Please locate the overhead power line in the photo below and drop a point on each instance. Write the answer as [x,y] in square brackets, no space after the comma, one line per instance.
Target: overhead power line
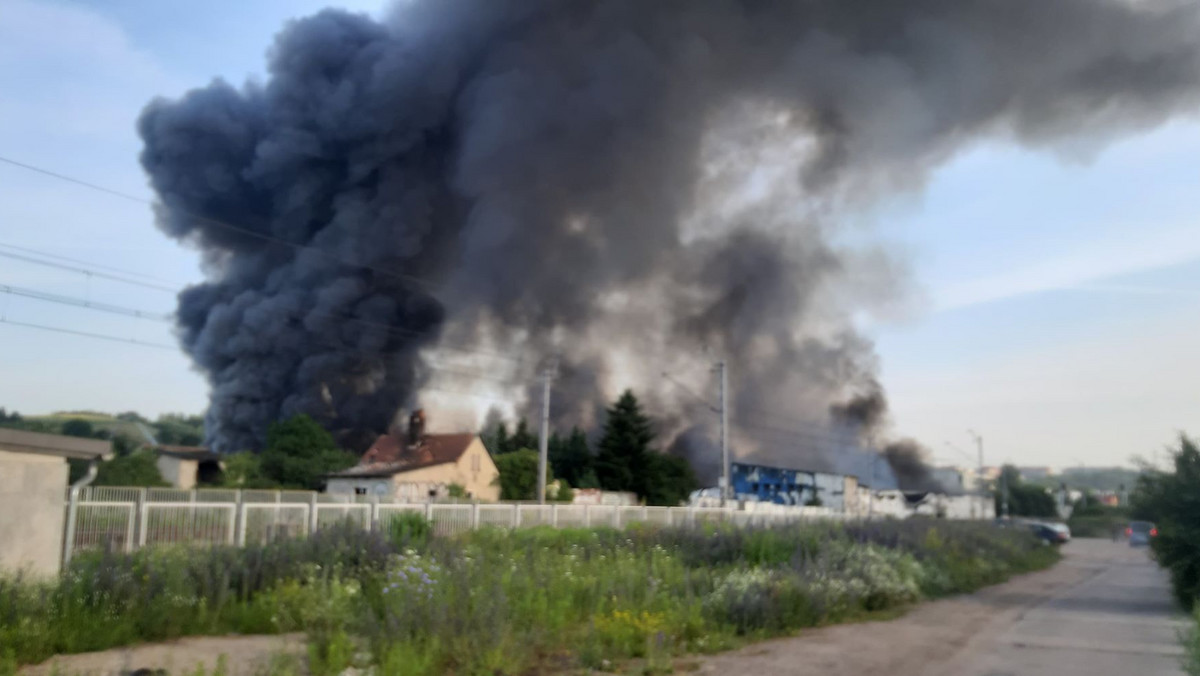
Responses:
[89,334]
[83,303]
[47,254]
[220,224]
[394,330]
[90,273]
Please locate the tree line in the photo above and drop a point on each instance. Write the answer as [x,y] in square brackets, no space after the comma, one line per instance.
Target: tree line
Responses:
[299,453]
[624,459]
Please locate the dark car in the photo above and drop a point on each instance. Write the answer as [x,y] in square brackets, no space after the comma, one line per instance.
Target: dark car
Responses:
[1048,533]
[1140,533]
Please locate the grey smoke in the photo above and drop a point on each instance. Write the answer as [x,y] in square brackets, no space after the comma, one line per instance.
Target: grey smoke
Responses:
[637,186]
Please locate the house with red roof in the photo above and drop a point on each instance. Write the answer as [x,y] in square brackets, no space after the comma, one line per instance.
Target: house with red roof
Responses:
[418,466]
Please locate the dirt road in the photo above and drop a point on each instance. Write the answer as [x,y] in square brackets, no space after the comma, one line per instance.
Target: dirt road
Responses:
[1104,611]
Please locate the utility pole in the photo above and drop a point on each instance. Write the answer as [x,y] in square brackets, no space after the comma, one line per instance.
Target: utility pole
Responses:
[1003,485]
[871,487]
[727,489]
[544,435]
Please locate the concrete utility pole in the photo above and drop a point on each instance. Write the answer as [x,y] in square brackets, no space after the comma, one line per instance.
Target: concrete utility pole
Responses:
[544,435]
[727,489]
[1003,488]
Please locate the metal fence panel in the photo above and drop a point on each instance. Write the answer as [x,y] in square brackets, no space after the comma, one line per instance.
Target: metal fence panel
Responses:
[205,516]
[270,521]
[450,519]
[188,523]
[535,515]
[104,524]
[504,516]
[330,514]
[572,516]
[109,494]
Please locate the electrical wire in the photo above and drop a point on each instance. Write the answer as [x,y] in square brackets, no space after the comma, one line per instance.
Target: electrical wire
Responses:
[394,330]
[47,254]
[88,334]
[80,302]
[89,273]
[220,224]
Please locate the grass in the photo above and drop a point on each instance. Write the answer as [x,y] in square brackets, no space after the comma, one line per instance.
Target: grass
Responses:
[511,602]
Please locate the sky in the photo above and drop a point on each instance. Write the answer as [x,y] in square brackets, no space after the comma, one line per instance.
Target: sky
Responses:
[1054,297]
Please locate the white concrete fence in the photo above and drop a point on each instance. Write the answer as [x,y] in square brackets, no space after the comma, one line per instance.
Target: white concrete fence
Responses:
[125,519]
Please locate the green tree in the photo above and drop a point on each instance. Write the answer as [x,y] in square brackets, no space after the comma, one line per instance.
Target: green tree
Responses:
[495,440]
[244,470]
[135,469]
[300,453]
[518,474]
[572,458]
[565,492]
[670,480]
[123,444]
[77,427]
[177,428]
[1024,499]
[622,461]
[522,438]
[1172,501]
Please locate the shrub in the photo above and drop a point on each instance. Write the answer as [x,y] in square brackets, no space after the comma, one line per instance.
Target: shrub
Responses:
[503,602]
[408,529]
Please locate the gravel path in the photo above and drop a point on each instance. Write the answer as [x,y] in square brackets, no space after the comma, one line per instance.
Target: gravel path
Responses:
[1045,623]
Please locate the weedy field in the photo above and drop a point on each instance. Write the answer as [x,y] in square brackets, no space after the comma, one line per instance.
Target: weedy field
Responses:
[509,602]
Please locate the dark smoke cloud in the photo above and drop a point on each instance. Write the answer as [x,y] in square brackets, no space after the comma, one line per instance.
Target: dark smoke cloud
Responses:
[638,186]
[906,458]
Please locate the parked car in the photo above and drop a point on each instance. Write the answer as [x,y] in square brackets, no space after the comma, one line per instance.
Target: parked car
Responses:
[1140,533]
[1064,532]
[1050,533]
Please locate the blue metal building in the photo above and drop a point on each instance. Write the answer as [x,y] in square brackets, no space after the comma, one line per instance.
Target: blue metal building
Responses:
[787,486]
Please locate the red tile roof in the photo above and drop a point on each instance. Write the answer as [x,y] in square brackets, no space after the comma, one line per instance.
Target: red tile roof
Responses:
[390,455]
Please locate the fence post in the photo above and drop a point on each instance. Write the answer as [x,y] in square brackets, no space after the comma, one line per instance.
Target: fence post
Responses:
[554,515]
[233,519]
[143,526]
[138,523]
[516,516]
[475,516]
[616,517]
[241,522]
[429,512]
[374,524]
[72,516]
[691,516]
[240,528]
[312,512]
[670,517]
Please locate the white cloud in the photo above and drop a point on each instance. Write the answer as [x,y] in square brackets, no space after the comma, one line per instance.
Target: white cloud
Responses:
[1135,251]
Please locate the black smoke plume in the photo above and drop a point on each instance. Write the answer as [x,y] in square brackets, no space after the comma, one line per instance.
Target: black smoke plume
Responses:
[906,458]
[635,186]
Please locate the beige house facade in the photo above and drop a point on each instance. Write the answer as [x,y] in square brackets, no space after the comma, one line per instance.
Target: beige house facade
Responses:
[420,468]
[188,466]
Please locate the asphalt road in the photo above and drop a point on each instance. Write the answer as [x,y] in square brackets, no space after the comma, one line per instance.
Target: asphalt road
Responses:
[1105,610]
[1118,620]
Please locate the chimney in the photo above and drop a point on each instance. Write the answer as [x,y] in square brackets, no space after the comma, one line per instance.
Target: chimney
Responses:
[416,427]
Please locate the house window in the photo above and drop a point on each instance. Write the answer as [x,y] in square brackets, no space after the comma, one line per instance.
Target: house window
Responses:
[475,463]
[359,490]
